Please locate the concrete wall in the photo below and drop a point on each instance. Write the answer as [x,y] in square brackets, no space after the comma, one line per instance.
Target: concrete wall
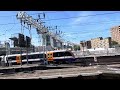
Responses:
[107,59]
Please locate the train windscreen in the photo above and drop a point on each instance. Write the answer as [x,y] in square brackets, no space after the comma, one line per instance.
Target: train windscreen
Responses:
[12,58]
[58,54]
[61,54]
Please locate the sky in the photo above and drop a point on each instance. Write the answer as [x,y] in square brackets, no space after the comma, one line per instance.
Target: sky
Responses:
[74,25]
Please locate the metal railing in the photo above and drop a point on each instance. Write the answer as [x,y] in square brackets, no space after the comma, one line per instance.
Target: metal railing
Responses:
[97,53]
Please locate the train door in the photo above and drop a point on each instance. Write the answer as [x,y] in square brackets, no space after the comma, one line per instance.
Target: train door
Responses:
[18,59]
[49,56]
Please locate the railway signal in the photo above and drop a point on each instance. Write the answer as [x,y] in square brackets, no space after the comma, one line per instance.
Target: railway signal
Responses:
[21,40]
[28,41]
[15,41]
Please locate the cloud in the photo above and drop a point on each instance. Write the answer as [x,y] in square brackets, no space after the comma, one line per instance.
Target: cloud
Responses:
[82,19]
[75,35]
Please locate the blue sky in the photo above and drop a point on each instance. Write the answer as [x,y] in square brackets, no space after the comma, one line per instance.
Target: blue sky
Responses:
[86,25]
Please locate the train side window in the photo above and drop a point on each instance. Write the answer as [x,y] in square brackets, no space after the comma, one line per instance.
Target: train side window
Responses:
[68,54]
[33,56]
[23,57]
[12,58]
[55,54]
[58,54]
[43,55]
[61,54]
[40,55]
[29,56]
[36,56]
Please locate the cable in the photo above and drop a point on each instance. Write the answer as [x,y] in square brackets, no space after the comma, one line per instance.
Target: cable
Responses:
[8,16]
[34,13]
[82,32]
[82,16]
[67,17]
[9,23]
[47,12]
[67,34]
[76,17]
[89,23]
[81,24]
[10,28]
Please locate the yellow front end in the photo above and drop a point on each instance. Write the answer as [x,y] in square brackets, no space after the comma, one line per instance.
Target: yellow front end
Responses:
[50,56]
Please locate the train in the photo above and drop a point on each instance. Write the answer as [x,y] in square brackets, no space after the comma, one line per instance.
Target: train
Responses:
[56,56]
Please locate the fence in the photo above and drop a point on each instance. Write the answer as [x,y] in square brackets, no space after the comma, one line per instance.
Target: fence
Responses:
[102,52]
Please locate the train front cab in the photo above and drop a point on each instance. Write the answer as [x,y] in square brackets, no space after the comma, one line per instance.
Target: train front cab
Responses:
[50,57]
[61,57]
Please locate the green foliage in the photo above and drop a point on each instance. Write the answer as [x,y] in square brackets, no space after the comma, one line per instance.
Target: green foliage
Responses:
[114,43]
[76,47]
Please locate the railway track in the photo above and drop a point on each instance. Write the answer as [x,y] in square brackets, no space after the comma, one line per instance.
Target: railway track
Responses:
[30,68]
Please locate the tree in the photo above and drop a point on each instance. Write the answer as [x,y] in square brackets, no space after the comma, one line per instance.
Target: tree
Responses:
[76,47]
[114,43]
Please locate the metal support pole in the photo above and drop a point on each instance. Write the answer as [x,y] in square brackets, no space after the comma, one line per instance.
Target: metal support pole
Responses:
[40,45]
[27,55]
[45,50]
[21,55]
[20,47]
[44,44]
[44,47]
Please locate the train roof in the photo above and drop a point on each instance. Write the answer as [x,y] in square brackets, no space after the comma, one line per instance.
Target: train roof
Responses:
[49,51]
[59,51]
[38,52]
[23,54]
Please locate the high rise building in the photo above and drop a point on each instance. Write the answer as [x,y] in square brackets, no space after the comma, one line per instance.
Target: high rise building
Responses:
[115,34]
[101,43]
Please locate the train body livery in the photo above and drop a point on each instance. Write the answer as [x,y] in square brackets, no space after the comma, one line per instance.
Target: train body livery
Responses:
[57,56]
